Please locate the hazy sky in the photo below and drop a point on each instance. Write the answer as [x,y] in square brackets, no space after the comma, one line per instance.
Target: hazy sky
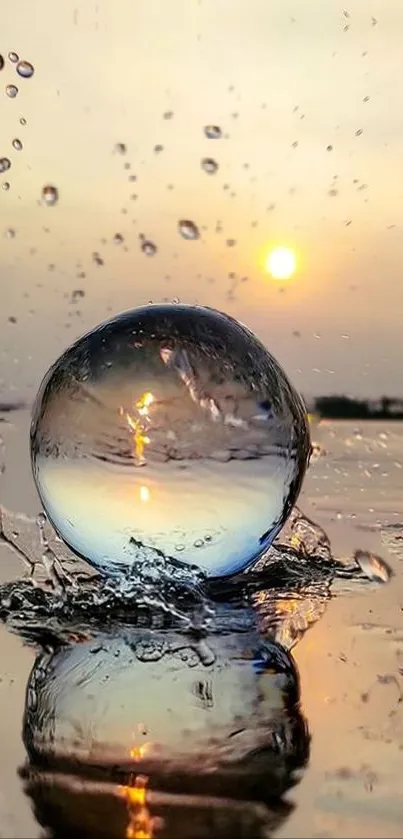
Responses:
[271,74]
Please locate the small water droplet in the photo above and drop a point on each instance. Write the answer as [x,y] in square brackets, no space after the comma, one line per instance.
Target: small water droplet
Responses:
[23,121]
[5,164]
[149,248]
[11,91]
[25,69]
[13,57]
[209,165]
[16,144]
[198,543]
[120,148]
[118,239]
[158,148]
[188,229]
[213,132]
[5,186]
[10,233]
[230,243]
[168,115]
[50,195]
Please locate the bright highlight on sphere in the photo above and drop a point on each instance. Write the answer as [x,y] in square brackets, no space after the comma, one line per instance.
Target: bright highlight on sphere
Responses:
[281,263]
[168,431]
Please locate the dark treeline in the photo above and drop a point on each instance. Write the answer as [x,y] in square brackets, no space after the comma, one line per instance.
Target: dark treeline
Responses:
[344,407]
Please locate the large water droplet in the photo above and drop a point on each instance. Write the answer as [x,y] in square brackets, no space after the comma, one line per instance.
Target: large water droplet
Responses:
[11,91]
[209,165]
[166,423]
[213,132]
[188,229]
[25,69]
[17,145]
[13,57]
[50,195]
[5,164]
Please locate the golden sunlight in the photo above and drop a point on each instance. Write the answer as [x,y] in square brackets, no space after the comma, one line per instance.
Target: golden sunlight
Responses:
[281,263]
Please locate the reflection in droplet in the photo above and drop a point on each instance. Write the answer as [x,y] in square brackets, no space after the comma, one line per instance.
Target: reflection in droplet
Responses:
[209,165]
[5,164]
[13,57]
[186,402]
[213,132]
[25,69]
[11,91]
[16,144]
[148,247]
[50,195]
[188,229]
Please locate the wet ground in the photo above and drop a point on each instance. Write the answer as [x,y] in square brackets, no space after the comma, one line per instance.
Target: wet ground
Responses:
[350,661]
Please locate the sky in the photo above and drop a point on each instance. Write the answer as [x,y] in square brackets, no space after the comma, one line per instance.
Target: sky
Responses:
[309,99]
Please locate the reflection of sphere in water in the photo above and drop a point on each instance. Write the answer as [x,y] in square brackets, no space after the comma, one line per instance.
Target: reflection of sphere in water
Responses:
[169,428]
[217,719]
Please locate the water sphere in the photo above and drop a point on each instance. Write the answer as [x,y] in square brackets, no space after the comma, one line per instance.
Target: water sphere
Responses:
[169,429]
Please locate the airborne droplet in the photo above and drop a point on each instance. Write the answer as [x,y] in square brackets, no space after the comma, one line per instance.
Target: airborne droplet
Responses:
[16,144]
[188,229]
[50,195]
[209,165]
[213,132]
[148,248]
[11,91]
[25,69]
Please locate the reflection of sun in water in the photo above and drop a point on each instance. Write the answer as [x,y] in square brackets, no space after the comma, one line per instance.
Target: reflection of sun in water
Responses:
[281,263]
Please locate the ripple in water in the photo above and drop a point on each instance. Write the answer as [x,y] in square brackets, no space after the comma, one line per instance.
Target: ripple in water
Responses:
[168,426]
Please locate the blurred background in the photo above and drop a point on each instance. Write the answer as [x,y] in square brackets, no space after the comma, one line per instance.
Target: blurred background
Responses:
[273,129]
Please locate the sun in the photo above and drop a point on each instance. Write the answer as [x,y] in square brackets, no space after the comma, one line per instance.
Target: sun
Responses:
[281,263]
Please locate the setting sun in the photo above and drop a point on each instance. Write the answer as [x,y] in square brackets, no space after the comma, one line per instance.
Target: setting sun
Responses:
[281,263]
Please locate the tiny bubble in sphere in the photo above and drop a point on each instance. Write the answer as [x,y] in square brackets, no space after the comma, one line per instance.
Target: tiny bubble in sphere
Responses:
[11,91]
[161,425]
[25,69]
[50,195]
